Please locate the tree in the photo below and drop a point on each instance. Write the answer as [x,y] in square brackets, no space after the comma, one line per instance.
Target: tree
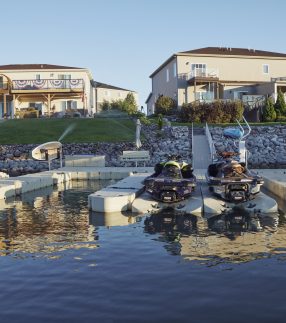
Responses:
[280,105]
[165,105]
[129,104]
[269,113]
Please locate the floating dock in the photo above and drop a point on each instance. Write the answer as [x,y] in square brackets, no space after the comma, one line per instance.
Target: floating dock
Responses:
[127,193]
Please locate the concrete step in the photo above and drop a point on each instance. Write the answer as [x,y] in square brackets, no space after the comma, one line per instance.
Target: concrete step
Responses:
[198,131]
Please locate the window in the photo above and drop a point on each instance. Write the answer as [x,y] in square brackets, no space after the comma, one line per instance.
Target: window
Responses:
[64,76]
[38,76]
[107,93]
[119,94]
[175,69]
[167,75]
[199,69]
[265,68]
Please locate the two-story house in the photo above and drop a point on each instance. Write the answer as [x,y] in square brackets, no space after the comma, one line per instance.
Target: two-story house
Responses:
[46,88]
[108,93]
[218,73]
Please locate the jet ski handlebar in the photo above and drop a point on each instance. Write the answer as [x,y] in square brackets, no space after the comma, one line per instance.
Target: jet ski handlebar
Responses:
[227,154]
[173,157]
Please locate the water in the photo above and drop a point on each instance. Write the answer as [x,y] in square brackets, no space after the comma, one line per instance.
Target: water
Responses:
[69,129]
[61,263]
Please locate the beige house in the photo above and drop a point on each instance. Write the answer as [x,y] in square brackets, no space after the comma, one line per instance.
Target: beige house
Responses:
[219,73]
[45,88]
[109,93]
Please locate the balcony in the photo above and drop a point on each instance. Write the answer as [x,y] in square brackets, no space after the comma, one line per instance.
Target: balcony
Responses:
[211,73]
[47,85]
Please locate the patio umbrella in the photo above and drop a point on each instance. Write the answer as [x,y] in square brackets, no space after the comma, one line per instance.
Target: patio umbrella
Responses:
[137,137]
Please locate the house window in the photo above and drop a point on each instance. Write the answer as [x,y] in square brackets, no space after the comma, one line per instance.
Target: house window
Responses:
[167,75]
[107,93]
[70,104]
[265,68]
[38,76]
[175,69]
[199,69]
[119,94]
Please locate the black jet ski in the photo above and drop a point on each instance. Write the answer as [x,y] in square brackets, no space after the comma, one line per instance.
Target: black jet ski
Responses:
[231,180]
[172,181]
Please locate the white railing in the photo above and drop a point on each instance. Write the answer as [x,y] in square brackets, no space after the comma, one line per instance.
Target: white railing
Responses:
[211,143]
[204,72]
[192,143]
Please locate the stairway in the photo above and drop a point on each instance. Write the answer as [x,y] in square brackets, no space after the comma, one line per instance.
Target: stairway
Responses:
[201,150]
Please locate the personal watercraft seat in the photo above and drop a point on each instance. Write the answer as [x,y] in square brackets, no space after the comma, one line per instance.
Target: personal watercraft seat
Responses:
[213,170]
[187,171]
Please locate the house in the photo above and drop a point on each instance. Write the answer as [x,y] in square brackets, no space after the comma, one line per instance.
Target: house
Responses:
[46,89]
[108,93]
[212,73]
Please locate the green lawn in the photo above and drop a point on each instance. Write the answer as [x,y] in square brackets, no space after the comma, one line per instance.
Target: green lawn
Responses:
[36,131]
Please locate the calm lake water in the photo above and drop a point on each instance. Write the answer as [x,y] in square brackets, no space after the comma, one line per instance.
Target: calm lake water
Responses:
[61,263]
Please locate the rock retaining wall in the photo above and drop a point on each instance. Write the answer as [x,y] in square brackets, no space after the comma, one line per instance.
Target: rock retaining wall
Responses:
[16,160]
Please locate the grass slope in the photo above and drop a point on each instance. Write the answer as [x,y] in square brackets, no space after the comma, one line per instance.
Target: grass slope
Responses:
[36,131]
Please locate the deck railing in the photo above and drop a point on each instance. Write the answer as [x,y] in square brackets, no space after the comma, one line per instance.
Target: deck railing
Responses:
[47,84]
[204,72]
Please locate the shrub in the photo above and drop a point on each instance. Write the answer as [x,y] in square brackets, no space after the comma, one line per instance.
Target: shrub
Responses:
[116,105]
[280,105]
[160,121]
[105,105]
[144,120]
[213,112]
[269,113]
[165,105]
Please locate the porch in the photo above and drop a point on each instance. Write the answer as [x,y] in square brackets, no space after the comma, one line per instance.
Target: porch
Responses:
[42,97]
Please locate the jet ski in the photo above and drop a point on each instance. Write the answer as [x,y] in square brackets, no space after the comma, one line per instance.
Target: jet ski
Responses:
[173,180]
[231,180]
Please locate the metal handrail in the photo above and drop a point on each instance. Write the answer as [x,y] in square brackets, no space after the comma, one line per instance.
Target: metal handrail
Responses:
[210,142]
[192,142]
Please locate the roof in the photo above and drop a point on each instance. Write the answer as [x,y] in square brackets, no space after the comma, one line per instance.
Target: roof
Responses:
[108,86]
[36,67]
[222,51]
[233,51]
[149,97]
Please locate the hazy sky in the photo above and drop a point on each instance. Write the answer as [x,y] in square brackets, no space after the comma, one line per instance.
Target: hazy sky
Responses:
[123,41]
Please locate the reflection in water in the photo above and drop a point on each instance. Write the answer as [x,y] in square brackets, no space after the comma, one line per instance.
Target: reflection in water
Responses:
[112,219]
[49,220]
[235,238]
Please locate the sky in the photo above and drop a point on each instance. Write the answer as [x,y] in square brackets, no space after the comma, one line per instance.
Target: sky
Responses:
[123,41]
